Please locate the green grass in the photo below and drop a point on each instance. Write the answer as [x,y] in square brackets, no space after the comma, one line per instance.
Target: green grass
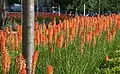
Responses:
[113,65]
[69,60]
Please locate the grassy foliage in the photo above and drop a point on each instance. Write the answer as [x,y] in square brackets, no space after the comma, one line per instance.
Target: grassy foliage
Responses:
[69,60]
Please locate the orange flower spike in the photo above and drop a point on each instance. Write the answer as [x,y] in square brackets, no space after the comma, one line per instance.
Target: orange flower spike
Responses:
[58,28]
[61,40]
[23,71]
[107,58]
[19,34]
[35,41]
[51,50]
[94,40]
[71,38]
[118,24]
[6,60]
[87,38]
[54,22]
[17,27]
[82,45]
[55,34]
[13,41]
[82,48]
[60,21]
[34,61]
[109,37]
[45,40]
[40,37]
[96,32]
[20,62]
[72,30]
[64,25]
[50,35]
[7,31]
[113,32]
[105,26]
[35,55]
[61,25]
[55,37]
[90,36]
[49,69]
[58,42]
[6,37]
[40,29]
[50,24]
[101,26]
[34,34]
[16,41]
[46,31]
[44,27]
[36,26]
[37,37]
[2,43]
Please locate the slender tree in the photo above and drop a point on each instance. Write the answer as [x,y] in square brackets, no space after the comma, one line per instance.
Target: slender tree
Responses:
[3,12]
[28,32]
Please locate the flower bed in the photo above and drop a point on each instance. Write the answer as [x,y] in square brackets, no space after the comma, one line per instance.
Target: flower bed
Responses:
[75,46]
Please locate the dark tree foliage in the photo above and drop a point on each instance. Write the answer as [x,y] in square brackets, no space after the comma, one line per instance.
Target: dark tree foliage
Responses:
[10,2]
[92,5]
[63,2]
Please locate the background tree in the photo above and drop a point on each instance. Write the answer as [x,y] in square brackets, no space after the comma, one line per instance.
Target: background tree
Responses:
[28,32]
[114,5]
[3,13]
[103,5]
[10,2]
[91,5]
[63,3]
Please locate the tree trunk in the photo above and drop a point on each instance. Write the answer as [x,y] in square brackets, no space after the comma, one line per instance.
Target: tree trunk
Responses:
[99,6]
[3,13]
[28,32]
[37,9]
[84,9]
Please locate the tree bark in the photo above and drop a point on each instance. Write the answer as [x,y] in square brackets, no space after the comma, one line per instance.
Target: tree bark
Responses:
[28,32]
[99,6]
[84,9]
[3,13]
